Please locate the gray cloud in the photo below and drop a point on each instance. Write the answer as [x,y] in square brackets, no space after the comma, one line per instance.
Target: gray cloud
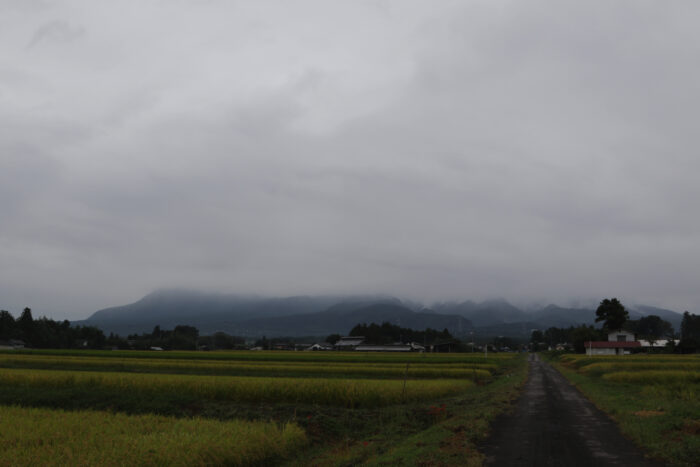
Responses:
[56,31]
[537,152]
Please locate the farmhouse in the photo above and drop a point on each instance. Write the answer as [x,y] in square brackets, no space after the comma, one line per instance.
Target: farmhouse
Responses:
[349,342]
[411,347]
[618,343]
[358,343]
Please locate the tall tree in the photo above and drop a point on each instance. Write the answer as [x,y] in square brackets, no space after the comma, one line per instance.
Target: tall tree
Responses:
[7,324]
[583,333]
[26,324]
[612,313]
[653,328]
[537,339]
[690,332]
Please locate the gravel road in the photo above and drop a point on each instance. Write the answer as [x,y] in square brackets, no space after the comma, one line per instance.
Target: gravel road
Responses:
[555,425]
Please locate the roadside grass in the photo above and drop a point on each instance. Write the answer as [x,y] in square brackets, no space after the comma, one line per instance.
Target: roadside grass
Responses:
[659,410]
[56,438]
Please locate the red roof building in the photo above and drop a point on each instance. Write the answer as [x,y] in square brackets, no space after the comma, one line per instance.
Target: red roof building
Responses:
[609,347]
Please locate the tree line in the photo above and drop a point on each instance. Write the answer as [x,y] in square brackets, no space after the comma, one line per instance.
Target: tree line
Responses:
[183,337]
[44,333]
[387,333]
[690,333]
[614,317]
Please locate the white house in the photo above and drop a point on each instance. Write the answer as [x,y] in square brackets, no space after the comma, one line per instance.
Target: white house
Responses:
[618,343]
[620,336]
[609,348]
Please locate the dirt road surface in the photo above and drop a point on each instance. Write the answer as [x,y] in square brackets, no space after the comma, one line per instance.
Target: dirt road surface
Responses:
[555,425]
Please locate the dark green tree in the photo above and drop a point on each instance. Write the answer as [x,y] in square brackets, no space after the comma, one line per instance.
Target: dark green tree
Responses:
[583,333]
[653,328]
[188,332]
[612,313]
[554,336]
[264,343]
[503,342]
[537,340]
[388,333]
[333,338]
[7,324]
[25,323]
[221,340]
[690,333]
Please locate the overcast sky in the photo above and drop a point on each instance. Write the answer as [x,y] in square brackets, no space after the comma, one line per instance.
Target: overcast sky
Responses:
[537,151]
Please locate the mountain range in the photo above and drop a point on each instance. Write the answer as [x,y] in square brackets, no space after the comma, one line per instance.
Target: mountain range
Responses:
[252,316]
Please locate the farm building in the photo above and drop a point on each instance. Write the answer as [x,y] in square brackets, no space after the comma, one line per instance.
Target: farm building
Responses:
[445,346]
[320,346]
[620,336]
[358,343]
[618,343]
[610,348]
[658,343]
[283,346]
[411,347]
[349,342]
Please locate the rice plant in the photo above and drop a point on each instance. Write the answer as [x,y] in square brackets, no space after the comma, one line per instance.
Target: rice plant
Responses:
[477,372]
[325,391]
[57,438]
[653,376]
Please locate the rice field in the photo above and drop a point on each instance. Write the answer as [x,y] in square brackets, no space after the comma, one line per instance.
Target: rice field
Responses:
[44,437]
[279,356]
[230,408]
[474,371]
[654,398]
[349,393]
[653,376]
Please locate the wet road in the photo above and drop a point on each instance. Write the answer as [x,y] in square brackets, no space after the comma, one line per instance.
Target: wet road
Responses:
[555,425]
